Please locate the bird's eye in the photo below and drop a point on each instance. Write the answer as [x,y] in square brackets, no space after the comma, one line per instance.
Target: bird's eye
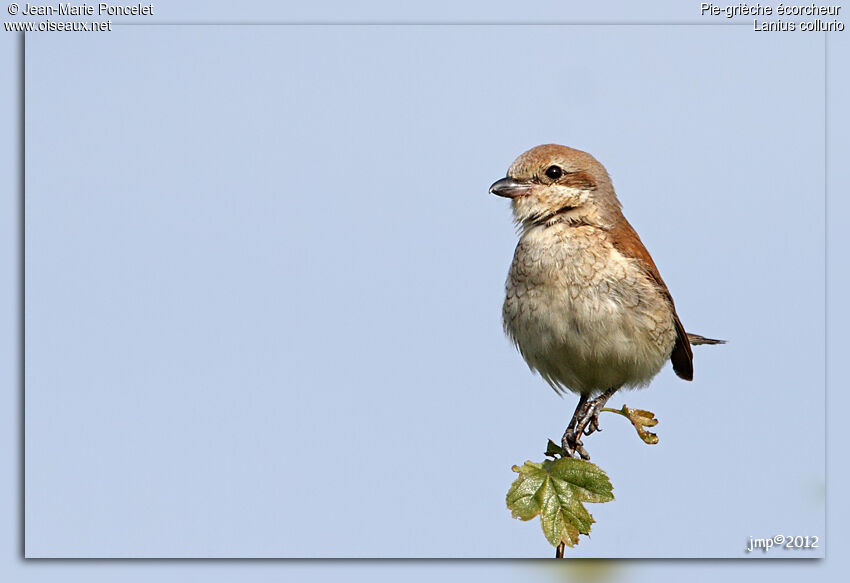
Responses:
[554,172]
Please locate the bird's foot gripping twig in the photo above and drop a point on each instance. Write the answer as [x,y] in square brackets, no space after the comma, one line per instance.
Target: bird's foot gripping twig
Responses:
[571,442]
[585,421]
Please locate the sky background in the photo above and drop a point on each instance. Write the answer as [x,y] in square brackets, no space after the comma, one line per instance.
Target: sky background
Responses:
[264,279]
[181,126]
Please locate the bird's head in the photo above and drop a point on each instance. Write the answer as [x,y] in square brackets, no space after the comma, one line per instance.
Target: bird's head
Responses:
[552,182]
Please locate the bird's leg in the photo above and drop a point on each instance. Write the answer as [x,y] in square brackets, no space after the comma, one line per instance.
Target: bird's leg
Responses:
[584,422]
[571,442]
[595,407]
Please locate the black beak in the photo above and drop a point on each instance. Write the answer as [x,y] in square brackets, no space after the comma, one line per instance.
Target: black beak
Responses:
[509,188]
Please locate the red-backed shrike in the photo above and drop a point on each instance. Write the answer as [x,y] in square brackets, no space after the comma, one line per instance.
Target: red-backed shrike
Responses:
[584,302]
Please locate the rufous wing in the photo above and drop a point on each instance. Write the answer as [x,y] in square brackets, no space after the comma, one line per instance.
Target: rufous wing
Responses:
[628,243]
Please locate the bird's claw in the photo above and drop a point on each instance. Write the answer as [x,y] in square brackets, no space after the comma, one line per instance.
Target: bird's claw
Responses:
[593,421]
[585,421]
[572,445]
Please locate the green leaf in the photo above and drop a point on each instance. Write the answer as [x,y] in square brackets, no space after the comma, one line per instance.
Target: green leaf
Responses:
[554,450]
[556,490]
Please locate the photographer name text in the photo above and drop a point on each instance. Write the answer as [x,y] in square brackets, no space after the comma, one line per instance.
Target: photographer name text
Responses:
[100,9]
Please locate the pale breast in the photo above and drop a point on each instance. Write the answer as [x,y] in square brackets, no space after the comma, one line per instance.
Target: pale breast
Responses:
[583,315]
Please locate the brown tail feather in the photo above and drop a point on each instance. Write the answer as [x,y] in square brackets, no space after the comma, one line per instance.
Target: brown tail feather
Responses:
[696,340]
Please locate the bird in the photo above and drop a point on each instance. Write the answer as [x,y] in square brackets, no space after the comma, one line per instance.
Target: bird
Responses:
[584,301]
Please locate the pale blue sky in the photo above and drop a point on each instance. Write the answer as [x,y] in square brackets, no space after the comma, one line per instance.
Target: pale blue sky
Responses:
[180,364]
[264,272]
